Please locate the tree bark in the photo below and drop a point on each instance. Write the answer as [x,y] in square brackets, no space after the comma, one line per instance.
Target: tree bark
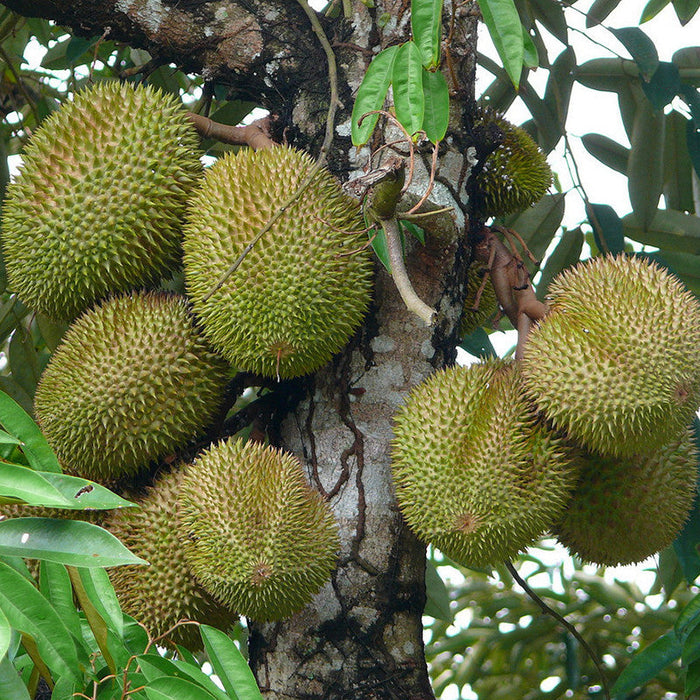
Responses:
[362,635]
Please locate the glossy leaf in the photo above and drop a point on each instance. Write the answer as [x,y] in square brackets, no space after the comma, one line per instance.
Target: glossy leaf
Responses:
[5,636]
[503,22]
[169,688]
[407,84]
[685,9]
[692,676]
[229,665]
[426,26]
[85,494]
[607,228]
[640,47]
[437,105]
[567,252]
[153,666]
[55,585]
[645,166]
[70,542]
[416,231]
[438,601]
[17,422]
[478,344]
[599,11]
[371,95]
[669,230]
[607,151]
[652,8]
[11,685]
[98,588]
[29,612]
[647,663]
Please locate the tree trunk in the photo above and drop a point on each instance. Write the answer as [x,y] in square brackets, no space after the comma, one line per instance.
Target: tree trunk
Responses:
[361,637]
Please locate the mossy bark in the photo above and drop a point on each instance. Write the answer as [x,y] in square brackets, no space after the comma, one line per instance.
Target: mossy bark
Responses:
[361,637]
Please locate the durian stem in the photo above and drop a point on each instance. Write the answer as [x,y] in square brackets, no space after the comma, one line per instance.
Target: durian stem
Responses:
[400,276]
[254,135]
[562,621]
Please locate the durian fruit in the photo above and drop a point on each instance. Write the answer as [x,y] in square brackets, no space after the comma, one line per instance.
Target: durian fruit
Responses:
[473,318]
[476,473]
[165,592]
[132,380]
[302,290]
[98,203]
[516,175]
[254,533]
[626,509]
[616,363]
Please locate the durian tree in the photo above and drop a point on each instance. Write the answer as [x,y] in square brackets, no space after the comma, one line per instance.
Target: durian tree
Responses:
[444,209]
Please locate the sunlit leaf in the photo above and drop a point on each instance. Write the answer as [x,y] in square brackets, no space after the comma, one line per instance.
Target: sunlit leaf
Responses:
[647,663]
[371,95]
[503,22]
[437,105]
[71,542]
[645,166]
[426,26]
[407,84]
[229,665]
[168,688]
[153,666]
[640,47]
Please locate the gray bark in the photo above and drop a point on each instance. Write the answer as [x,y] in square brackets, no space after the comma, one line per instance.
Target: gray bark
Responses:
[362,636]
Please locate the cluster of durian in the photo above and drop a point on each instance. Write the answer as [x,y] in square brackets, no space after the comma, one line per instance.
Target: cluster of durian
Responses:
[587,437]
[112,199]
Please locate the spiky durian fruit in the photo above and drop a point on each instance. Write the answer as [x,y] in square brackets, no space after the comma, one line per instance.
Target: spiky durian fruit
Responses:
[132,380]
[98,204]
[302,290]
[255,534]
[478,311]
[516,175]
[476,473]
[616,363]
[625,510]
[165,592]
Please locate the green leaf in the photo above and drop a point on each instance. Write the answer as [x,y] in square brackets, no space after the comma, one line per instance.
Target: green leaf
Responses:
[531,57]
[567,252]
[168,688]
[426,25]
[669,230]
[549,126]
[645,166]
[557,95]
[599,10]
[678,167]
[380,247]
[5,636]
[11,685]
[407,83]
[607,228]
[70,542]
[371,95]
[29,612]
[687,544]
[229,665]
[691,646]
[683,265]
[664,85]
[7,439]
[84,494]
[17,422]
[503,22]
[154,666]
[478,344]
[652,8]
[693,143]
[538,224]
[416,231]
[436,113]
[607,74]
[647,663]
[437,604]
[641,48]
[551,14]
[685,9]
[692,677]
[98,588]
[51,331]
[607,151]
[55,585]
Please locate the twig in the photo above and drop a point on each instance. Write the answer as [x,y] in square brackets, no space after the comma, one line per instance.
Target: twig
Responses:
[256,135]
[20,84]
[562,621]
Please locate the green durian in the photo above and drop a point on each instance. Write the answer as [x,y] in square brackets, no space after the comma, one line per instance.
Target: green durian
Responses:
[302,290]
[165,592]
[616,363]
[627,509]
[254,533]
[132,380]
[516,175]
[476,315]
[98,205]
[476,473]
